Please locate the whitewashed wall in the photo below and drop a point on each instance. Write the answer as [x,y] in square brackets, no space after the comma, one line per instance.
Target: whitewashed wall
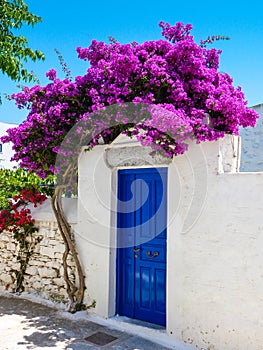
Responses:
[215,237]
[252,144]
[7,151]
[93,230]
[215,261]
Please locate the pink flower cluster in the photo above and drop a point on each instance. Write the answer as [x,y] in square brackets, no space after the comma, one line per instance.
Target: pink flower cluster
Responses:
[177,78]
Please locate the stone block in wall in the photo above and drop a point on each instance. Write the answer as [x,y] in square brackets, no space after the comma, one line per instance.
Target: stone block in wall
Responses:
[59,282]
[52,288]
[47,251]
[54,264]
[7,255]
[32,270]
[6,278]
[37,286]
[2,266]
[59,247]
[53,242]
[45,242]
[58,256]
[11,246]
[43,259]
[48,233]
[36,262]
[46,272]
[49,285]
[16,266]
[5,238]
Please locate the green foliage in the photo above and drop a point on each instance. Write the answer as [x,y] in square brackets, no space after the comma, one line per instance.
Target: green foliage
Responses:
[14,181]
[14,49]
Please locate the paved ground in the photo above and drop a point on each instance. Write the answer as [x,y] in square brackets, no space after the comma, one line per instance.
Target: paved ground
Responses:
[26,325]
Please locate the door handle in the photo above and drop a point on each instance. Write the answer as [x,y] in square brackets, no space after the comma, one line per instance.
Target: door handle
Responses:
[136,250]
[150,255]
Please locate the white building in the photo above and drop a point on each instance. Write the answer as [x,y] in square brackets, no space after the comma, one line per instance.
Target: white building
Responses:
[6,151]
[173,242]
[252,144]
[209,273]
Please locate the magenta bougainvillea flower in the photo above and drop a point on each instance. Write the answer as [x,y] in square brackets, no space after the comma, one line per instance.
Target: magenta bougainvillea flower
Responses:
[177,78]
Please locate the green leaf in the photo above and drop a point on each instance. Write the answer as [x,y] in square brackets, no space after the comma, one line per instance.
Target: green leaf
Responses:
[14,51]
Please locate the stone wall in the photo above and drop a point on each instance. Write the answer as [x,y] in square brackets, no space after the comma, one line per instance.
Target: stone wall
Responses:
[44,274]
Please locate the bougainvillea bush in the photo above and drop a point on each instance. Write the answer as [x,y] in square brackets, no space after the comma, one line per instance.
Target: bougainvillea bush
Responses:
[175,79]
[175,73]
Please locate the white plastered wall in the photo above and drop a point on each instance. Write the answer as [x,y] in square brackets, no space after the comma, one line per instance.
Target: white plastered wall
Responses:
[214,250]
[93,233]
[252,144]
[215,260]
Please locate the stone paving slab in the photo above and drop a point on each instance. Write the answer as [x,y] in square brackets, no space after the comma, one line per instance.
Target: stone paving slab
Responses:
[26,325]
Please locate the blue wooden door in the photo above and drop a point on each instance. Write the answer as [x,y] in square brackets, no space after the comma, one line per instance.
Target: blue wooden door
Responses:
[141,256]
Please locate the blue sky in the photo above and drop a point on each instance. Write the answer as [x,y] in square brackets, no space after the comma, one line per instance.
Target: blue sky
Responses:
[68,24]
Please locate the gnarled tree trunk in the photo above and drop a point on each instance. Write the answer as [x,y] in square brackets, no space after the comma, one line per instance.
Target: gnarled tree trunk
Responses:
[75,291]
